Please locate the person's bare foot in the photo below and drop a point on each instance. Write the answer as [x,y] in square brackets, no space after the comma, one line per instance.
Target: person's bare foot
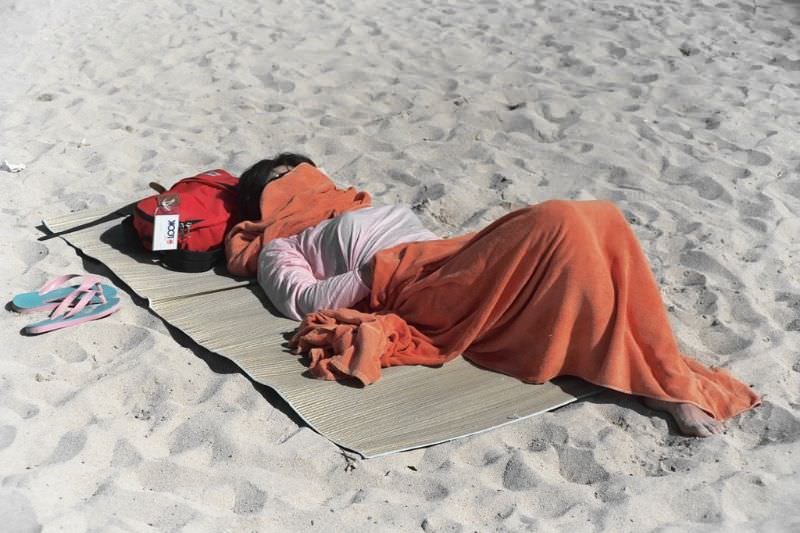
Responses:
[691,420]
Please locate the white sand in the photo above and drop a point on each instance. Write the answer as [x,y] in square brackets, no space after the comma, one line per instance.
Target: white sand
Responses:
[685,113]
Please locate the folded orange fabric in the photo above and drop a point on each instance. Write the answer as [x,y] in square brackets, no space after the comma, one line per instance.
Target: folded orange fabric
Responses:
[346,343]
[559,288]
[299,200]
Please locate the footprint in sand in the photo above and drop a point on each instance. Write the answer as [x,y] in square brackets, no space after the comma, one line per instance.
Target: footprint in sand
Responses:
[760,206]
[676,129]
[30,252]
[491,457]
[579,466]
[427,194]
[403,177]
[438,525]
[7,436]
[706,303]
[754,157]
[538,131]
[429,133]
[435,492]
[792,301]
[201,431]
[329,121]
[23,409]
[700,505]
[548,435]
[135,340]
[710,189]
[756,224]
[721,340]
[518,475]
[702,262]
[613,491]
[249,499]
[71,352]
[125,455]
[646,78]
[784,62]
[712,123]
[616,52]
[17,512]
[772,423]
[69,445]
[359,496]
[634,91]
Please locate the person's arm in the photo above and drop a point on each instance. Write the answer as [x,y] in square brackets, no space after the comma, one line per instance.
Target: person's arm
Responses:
[289,282]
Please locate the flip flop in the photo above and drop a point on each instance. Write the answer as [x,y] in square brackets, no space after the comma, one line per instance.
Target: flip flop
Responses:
[80,313]
[55,291]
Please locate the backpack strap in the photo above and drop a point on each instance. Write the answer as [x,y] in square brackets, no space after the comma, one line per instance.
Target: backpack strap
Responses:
[156,186]
[123,211]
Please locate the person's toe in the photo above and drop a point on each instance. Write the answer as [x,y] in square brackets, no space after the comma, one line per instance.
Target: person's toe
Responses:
[699,430]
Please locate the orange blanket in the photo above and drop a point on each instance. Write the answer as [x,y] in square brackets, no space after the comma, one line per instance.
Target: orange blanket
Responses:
[299,200]
[559,288]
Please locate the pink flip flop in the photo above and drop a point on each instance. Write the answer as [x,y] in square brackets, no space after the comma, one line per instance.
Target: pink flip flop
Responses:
[76,308]
[56,290]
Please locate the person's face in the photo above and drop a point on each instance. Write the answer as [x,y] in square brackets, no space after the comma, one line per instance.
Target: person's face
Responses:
[278,172]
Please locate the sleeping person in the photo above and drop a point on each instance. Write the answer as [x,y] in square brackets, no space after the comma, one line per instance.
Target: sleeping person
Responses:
[560,288]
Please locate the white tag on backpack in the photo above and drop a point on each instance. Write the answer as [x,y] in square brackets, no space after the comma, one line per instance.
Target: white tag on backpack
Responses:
[165,232]
[166,223]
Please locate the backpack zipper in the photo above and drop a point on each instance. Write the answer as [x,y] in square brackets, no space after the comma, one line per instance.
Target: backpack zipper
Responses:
[151,218]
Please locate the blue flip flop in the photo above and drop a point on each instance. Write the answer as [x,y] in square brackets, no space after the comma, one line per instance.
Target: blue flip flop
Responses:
[80,313]
[55,291]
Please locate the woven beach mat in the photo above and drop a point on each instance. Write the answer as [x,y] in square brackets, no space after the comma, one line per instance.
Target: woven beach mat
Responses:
[410,407]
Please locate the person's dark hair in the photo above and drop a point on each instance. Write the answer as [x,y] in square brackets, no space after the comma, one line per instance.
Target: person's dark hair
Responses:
[254,179]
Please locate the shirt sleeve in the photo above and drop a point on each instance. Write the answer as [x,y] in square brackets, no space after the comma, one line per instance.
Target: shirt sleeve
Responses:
[289,282]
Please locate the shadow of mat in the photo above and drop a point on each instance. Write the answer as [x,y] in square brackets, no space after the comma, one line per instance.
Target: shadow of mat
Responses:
[410,407]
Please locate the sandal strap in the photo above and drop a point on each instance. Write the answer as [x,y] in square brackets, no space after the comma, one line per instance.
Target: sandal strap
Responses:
[83,297]
[84,300]
[88,281]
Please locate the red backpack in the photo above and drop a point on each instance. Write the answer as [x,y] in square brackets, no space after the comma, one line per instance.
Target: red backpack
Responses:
[207,207]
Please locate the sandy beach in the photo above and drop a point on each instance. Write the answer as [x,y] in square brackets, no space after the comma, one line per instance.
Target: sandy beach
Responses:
[686,114]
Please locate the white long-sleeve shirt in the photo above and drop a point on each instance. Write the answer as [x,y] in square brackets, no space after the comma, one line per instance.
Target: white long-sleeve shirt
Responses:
[319,268]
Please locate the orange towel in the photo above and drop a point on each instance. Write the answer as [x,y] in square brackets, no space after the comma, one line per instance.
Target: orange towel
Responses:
[559,288]
[299,200]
